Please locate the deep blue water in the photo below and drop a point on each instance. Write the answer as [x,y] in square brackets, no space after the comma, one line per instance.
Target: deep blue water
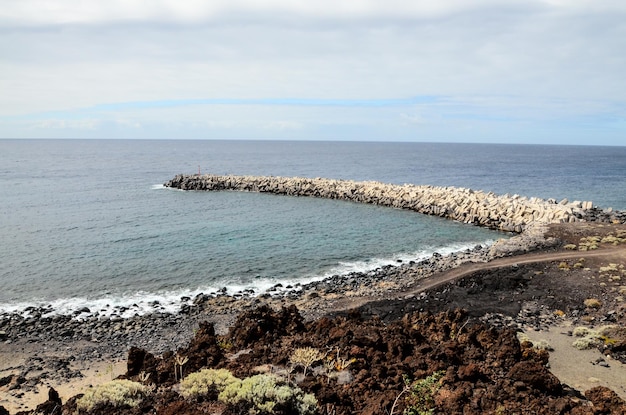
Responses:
[86,222]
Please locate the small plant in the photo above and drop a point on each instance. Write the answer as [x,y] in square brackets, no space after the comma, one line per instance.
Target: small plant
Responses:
[539,344]
[590,338]
[224,344]
[305,357]
[265,394]
[421,398]
[610,268]
[585,343]
[118,393]
[543,344]
[602,330]
[179,361]
[143,377]
[571,247]
[337,362]
[581,331]
[407,387]
[609,341]
[589,243]
[206,384]
[610,239]
[593,303]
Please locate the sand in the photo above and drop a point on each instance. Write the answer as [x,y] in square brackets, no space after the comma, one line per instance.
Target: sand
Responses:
[578,368]
[94,373]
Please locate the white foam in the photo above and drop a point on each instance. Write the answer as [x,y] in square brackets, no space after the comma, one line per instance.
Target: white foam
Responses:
[141,302]
[157,186]
[346,268]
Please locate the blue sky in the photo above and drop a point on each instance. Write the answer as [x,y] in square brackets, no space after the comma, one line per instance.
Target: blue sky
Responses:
[533,71]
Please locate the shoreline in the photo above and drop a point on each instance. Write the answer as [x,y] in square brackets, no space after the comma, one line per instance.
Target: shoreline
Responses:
[85,341]
[369,284]
[171,302]
[69,360]
[66,352]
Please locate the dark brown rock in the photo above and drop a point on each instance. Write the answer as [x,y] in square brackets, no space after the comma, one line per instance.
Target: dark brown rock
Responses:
[53,406]
[536,376]
[203,351]
[605,401]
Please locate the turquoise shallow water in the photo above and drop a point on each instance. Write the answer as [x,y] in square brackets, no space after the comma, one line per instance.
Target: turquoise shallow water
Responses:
[88,223]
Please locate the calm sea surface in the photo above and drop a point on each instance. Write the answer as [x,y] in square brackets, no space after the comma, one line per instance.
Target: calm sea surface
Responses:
[87,222]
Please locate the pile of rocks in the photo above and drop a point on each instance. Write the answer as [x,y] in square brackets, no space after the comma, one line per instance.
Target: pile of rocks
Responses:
[511,213]
[604,215]
[481,369]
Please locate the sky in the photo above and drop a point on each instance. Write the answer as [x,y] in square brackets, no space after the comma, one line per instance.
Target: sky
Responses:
[506,71]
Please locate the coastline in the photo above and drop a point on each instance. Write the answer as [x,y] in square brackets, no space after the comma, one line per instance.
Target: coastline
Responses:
[66,351]
[388,293]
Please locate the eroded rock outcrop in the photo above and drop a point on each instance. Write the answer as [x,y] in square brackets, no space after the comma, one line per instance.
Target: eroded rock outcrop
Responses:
[481,370]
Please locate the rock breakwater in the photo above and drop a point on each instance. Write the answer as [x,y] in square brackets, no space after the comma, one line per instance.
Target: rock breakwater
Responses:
[511,213]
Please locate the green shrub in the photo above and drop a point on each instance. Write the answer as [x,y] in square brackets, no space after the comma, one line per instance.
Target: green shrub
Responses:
[421,399]
[206,384]
[591,338]
[581,331]
[543,344]
[266,394]
[585,343]
[116,392]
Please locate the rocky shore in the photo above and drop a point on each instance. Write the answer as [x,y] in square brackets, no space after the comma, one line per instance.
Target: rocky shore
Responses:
[386,322]
[501,292]
[43,324]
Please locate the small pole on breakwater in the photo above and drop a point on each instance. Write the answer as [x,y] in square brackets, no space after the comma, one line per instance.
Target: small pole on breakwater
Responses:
[199,170]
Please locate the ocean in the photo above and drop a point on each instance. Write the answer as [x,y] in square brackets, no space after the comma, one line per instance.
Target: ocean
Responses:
[87,223]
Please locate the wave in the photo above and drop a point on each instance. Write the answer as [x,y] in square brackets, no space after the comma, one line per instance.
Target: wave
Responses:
[161,187]
[346,268]
[141,302]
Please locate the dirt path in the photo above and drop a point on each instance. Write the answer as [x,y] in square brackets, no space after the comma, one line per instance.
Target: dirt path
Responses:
[608,253]
[467,269]
[585,373]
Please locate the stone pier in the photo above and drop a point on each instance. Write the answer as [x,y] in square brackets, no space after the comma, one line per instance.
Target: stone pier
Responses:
[511,213]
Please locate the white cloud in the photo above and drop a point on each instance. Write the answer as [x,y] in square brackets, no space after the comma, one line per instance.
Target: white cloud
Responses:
[101,11]
[283,125]
[62,124]
[535,61]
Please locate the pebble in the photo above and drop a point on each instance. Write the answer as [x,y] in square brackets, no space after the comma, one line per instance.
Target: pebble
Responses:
[160,331]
